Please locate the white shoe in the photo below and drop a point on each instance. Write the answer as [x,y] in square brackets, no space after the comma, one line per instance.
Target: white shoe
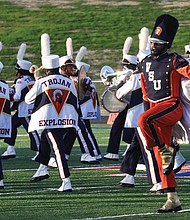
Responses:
[157,187]
[99,157]
[65,186]
[87,158]
[141,167]
[178,162]
[110,156]
[52,162]
[172,203]
[41,174]
[9,153]
[128,181]
[1,184]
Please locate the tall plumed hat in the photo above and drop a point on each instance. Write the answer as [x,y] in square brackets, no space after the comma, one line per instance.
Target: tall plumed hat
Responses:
[49,61]
[128,59]
[144,44]
[79,56]
[22,65]
[164,30]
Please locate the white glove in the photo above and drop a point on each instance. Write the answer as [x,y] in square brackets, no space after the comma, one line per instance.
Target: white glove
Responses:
[33,69]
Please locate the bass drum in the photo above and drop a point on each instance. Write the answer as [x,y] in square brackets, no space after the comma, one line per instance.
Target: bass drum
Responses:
[110,102]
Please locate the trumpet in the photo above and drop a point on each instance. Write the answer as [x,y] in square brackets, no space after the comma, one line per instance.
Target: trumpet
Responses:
[35,70]
[109,77]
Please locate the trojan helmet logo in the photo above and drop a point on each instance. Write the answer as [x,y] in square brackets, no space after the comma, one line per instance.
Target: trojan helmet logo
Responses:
[158,31]
[58,97]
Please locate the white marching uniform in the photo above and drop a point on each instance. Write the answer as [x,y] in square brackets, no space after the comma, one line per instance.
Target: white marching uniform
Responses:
[138,145]
[5,116]
[22,111]
[55,112]
[89,110]
[185,98]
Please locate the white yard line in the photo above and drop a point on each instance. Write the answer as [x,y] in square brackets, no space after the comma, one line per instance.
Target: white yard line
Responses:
[127,215]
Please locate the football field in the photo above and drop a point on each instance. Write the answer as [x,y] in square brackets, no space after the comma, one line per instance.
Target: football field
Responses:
[96,190]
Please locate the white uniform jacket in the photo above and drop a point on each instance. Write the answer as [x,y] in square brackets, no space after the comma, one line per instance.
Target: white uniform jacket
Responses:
[5,114]
[22,85]
[56,104]
[132,87]
[89,107]
[185,98]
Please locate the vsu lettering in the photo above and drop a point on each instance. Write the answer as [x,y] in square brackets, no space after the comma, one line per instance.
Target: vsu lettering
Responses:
[156,83]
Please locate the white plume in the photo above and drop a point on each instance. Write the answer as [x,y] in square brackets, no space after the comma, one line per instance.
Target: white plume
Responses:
[143,38]
[81,53]
[45,45]
[127,45]
[69,47]
[1,46]
[21,51]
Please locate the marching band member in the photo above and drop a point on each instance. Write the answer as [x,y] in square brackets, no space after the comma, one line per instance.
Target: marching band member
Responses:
[5,116]
[132,88]
[56,113]
[89,147]
[160,79]
[129,63]
[89,110]
[88,103]
[22,110]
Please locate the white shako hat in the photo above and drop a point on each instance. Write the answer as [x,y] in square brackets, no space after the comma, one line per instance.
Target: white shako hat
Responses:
[66,60]
[128,59]
[50,62]
[86,65]
[23,65]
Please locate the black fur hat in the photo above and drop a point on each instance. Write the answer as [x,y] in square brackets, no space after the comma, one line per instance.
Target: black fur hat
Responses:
[164,30]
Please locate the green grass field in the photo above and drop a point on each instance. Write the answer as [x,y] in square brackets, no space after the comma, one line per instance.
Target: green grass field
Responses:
[101,26]
[96,194]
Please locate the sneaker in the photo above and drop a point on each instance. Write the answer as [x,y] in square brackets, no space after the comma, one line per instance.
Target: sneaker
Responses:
[99,157]
[65,186]
[52,163]
[9,153]
[156,188]
[41,174]
[128,181]
[178,162]
[172,204]
[167,154]
[87,158]
[110,156]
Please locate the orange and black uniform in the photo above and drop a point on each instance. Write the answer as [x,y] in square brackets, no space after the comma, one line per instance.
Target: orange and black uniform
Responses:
[160,79]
